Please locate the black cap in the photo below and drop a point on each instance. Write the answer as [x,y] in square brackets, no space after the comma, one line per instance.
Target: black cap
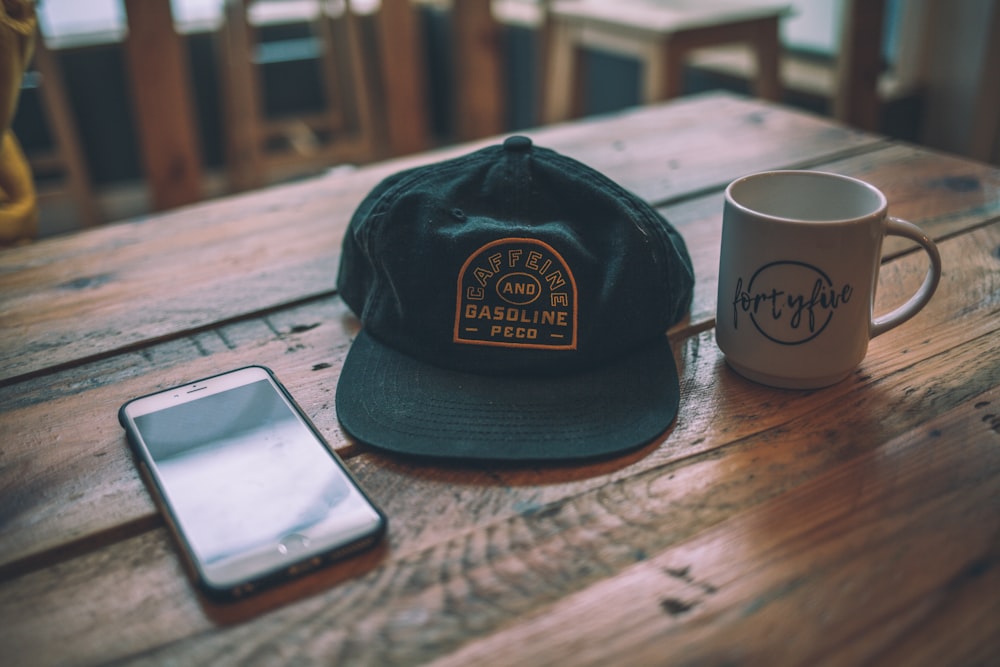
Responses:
[514,305]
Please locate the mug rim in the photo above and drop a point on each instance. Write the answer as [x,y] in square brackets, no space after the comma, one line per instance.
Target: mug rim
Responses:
[879,211]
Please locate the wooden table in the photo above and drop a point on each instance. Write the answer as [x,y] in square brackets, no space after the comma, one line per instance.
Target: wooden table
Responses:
[859,524]
[661,36]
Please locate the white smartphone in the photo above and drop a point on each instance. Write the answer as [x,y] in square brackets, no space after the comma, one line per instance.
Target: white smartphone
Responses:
[250,489]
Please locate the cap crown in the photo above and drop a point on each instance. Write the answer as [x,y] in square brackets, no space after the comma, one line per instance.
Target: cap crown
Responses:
[513,259]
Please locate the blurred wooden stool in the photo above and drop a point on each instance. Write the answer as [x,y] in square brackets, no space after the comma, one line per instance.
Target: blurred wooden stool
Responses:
[62,170]
[855,82]
[661,35]
[372,76]
[259,148]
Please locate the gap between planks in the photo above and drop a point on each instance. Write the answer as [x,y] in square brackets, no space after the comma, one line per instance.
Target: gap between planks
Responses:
[166,338]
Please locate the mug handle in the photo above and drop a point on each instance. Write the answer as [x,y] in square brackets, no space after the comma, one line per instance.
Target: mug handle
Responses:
[898,227]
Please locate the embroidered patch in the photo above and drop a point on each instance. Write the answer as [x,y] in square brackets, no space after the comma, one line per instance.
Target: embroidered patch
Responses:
[516,293]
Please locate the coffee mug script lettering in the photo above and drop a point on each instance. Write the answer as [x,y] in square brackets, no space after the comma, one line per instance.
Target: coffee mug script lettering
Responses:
[789,302]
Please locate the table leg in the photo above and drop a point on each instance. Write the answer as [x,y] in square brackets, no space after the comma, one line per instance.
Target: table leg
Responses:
[767,45]
[563,76]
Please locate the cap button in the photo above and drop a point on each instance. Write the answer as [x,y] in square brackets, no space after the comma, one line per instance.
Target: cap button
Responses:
[517,144]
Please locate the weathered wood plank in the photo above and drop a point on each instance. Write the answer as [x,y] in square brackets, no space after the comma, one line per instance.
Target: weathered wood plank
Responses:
[253,252]
[456,566]
[893,542]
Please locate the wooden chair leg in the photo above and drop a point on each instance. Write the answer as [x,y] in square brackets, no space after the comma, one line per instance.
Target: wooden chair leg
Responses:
[984,142]
[341,36]
[766,44]
[240,103]
[68,153]
[161,91]
[563,74]
[480,106]
[401,56]
[856,99]
[667,60]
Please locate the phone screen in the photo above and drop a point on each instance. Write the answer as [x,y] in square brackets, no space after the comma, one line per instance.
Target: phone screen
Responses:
[249,485]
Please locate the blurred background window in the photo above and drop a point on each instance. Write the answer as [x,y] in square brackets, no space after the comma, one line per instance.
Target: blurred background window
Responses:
[75,21]
[814,26]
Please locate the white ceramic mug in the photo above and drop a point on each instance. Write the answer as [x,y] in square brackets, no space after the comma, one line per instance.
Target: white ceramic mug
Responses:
[800,260]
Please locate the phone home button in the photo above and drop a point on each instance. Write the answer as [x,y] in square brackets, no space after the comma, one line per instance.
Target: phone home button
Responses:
[292,544]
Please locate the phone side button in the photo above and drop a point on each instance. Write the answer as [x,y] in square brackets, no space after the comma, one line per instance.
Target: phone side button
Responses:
[292,544]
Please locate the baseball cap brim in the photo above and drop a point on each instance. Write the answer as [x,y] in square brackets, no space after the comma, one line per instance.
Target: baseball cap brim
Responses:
[395,402]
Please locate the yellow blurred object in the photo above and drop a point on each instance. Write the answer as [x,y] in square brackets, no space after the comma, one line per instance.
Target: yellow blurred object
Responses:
[18,201]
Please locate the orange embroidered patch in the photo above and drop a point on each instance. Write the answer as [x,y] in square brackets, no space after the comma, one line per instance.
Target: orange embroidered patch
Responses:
[516,292]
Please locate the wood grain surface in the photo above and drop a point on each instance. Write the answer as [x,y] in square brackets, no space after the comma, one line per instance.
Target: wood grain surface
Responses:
[859,524]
